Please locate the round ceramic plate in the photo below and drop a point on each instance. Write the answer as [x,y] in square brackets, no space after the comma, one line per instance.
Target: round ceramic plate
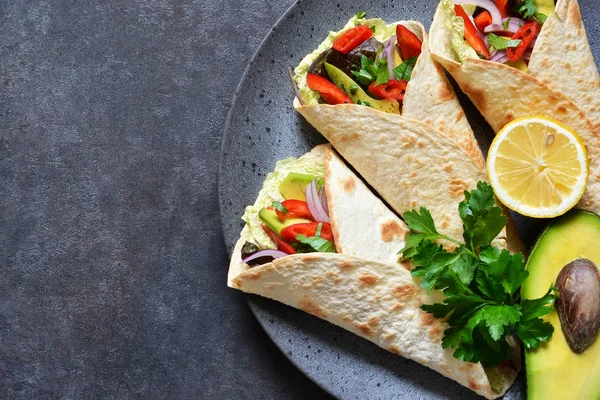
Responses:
[263,127]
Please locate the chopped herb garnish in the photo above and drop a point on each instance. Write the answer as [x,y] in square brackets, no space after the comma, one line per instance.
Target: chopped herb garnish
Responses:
[505,23]
[317,243]
[541,18]
[372,71]
[279,207]
[480,282]
[364,103]
[353,88]
[404,70]
[361,14]
[527,9]
[501,43]
[373,28]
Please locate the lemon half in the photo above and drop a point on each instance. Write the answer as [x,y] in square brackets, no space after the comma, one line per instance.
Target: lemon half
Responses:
[538,167]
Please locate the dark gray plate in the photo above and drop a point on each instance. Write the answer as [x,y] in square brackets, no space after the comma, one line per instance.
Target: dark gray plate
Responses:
[263,128]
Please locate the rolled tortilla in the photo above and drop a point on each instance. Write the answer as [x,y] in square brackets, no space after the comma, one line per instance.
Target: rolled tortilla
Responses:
[377,301]
[407,162]
[558,85]
[361,223]
[429,96]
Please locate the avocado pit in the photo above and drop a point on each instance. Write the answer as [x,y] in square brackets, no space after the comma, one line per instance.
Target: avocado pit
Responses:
[579,304]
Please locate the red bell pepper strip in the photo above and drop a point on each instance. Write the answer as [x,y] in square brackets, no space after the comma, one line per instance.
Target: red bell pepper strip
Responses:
[281,245]
[295,209]
[482,20]
[503,6]
[352,38]
[408,43]
[308,229]
[393,89]
[528,32]
[330,93]
[471,33]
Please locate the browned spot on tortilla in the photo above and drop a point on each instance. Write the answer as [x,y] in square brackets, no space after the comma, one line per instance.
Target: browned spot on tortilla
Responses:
[448,167]
[414,174]
[253,274]
[421,144]
[335,277]
[473,385]
[348,184]
[363,328]
[373,321]
[458,186]
[509,116]
[567,65]
[308,306]
[367,279]
[436,332]
[404,292]
[346,318]
[427,319]
[237,282]
[311,257]
[444,224]
[317,280]
[352,137]
[394,349]
[391,229]
[574,15]
[407,265]
[477,96]
[397,307]
[346,264]
[388,335]
[561,109]
[459,116]
[445,92]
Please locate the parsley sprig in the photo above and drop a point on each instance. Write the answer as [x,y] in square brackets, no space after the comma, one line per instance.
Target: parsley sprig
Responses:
[528,10]
[404,70]
[480,282]
[372,71]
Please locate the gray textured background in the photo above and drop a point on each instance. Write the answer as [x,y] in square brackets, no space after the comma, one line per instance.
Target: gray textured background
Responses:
[111,252]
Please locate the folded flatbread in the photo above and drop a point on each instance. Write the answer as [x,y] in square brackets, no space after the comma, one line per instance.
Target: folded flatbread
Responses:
[364,288]
[429,96]
[407,162]
[561,82]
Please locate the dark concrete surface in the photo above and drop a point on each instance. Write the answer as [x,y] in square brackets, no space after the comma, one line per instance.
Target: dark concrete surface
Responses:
[112,262]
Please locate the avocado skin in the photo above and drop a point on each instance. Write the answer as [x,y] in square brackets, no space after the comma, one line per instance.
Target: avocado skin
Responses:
[271,219]
[554,371]
[344,82]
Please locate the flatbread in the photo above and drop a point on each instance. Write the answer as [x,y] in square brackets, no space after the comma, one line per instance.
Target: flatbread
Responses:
[502,93]
[362,224]
[410,164]
[430,98]
[377,301]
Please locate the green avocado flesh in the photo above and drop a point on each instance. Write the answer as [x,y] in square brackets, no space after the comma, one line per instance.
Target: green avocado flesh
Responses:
[271,219]
[554,371]
[294,185]
[347,84]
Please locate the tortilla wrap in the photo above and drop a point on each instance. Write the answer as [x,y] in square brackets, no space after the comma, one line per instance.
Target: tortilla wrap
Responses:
[377,301]
[429,96]
[410,164]
[361,223]
[562,82]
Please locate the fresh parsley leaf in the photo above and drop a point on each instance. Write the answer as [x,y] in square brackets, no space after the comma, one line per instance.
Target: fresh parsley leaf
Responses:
[541,18]
[317,243]
[353,88]
[404,71]
[528,9]
[372,71]
[383,76]
[364,103]
[361,14]
[500,43]
[279,207]
[420,222]
[480,282]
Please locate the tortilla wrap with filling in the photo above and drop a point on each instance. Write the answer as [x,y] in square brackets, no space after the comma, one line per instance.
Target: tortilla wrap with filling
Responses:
[429,96]
[561,83]
[377,301]
[410,164]
[361,223]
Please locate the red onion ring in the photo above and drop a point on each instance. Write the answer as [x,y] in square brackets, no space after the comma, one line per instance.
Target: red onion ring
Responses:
[514,24]
[265,253]
[314,204]
[499,56]
[488,5]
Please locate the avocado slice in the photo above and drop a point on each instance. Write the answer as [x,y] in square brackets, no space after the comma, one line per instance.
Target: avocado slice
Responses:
[271,219]
[347,84]
[554,370]
[294,185]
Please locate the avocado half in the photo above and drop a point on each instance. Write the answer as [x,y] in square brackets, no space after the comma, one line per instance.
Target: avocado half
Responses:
[554,371]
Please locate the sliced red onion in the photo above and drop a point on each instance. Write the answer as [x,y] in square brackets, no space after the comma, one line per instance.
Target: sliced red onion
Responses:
[389,56]
[314,204]
[514,24]
[390,42]
[265,253]
[488,5]
[295,86]
[499,56]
